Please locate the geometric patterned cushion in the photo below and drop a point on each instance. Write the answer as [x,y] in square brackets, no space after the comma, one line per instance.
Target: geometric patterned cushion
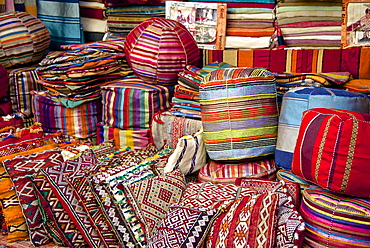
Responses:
[249,221]
[183,227]
[151,198]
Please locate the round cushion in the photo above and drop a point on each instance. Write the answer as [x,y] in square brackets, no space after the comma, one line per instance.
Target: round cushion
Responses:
[23,39]
[158,49]
[334,220]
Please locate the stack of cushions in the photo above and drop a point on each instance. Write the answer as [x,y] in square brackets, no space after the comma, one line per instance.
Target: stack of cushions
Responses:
[128,108]
[299,99]
[94,20]
[249,25]
[310,24]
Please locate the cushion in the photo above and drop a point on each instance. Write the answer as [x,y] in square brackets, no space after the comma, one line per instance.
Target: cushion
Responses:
[239,113]
[289,177]
[32,39]
[189,156]
[14,120]
[135,139]
[131,103]
[334,220]
[331,150]
[158,49]
[183,227]
[219,172]
[296,101]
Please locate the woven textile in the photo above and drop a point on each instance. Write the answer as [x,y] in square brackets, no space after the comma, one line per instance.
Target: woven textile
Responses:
[331,150]
[219,172]
[135,139]
[168,128]
[4,82]
[151,198]
[189,155]
[78,122]
[289,177]
[24,39]
[297,100]
[249,221]
[158,49]
[21,169]
[131,103]
[333,220]
[239,113]
[183,227]
[14,120]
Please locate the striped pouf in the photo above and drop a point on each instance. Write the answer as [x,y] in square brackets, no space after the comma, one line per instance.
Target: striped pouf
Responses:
[239,113]
[334,220]
[23,39]
[158,49]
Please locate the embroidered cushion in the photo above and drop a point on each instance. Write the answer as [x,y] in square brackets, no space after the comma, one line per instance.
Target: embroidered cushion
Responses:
[189,155]
[158,49]
[24,39]
[334,220]
[183,227]
[296,101]
[332,149]
[239,113]
[219,172]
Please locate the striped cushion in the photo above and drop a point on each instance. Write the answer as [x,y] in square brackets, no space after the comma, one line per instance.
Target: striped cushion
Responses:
[24,39]
[131,103]
[300,99]
[136,139]
[158,49]
[78,122]
[332,149]
[334,220]
[218,172]
[239,113]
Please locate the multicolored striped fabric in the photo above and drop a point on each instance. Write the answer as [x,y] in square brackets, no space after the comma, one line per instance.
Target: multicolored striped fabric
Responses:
[131,103]
[218,172]
[158,49]
[135,139]
[24,39]
[21,82]
[352,60]
[78,122]
[334,220]
[299,99]
[239,113]
[332,149]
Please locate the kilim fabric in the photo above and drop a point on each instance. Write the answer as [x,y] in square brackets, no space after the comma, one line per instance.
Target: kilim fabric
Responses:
[290,225]
[300,99]
[212,195]
[183,227]
[135,139]
[239,113]
[168,128]
[331,150]
[24,41]
[334,220]
[158,49]
[78,122]
[218,172]
[21,168]
[131,103]
[151,198]
[249,221]
[189,155]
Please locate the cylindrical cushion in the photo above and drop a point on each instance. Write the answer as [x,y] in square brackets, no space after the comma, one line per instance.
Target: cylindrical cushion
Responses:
[77,122]
[158,49]
[332,150]
[131,103]
[239,113]
[333,220]
[23,39]
[218,172]
[296,101]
